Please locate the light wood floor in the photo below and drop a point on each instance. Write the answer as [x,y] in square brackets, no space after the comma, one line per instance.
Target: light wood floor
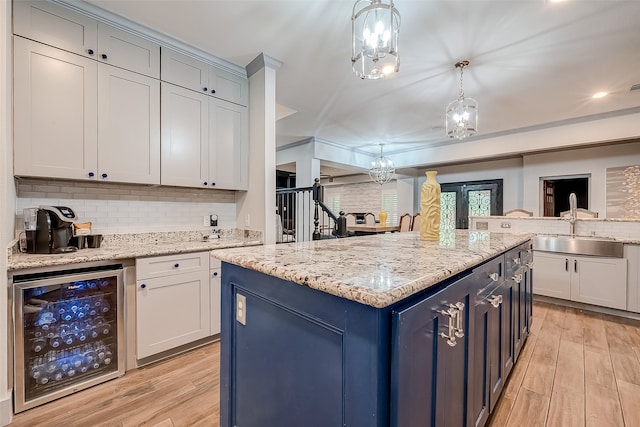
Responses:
[576,369]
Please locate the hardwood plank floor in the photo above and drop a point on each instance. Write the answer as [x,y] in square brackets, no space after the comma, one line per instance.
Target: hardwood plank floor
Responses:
[577,368]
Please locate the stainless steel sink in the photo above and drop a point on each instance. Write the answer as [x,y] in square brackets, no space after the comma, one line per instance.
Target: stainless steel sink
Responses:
[579,245]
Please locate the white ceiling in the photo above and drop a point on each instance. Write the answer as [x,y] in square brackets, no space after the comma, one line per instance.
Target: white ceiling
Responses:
[532,62]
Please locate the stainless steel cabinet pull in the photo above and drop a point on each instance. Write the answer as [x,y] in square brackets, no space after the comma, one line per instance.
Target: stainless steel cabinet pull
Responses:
[459,329]
[495,300]
[450,335]
[494,276]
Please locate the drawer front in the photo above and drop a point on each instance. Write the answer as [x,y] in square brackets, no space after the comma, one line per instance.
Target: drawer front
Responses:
[147,268]
[488,275]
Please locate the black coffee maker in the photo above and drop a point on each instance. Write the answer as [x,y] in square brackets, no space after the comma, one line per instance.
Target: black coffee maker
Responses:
[52,231]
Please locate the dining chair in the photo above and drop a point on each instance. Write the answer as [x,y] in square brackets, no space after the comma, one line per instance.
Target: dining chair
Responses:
[351,219]
[369,219]
[415,222]
[405,222]
[518,213]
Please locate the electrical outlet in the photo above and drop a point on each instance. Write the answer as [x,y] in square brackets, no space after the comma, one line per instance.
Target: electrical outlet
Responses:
[205,221]
[241,309]
[505,225]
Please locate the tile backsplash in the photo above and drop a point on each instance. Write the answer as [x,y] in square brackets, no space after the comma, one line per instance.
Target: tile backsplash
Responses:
[123,208]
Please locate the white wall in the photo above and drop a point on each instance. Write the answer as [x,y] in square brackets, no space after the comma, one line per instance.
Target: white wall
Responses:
[7,200]
[592,161]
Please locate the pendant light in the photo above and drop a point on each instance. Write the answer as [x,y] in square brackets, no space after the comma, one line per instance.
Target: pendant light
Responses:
[382,169]
[374,35]
[462,114]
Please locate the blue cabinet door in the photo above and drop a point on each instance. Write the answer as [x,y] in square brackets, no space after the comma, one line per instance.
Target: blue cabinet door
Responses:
[429,371]
[486,366]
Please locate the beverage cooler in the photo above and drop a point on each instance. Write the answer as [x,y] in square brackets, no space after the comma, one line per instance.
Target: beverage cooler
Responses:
[68,331]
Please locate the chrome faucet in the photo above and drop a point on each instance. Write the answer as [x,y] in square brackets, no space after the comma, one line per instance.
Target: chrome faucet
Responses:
[573,206]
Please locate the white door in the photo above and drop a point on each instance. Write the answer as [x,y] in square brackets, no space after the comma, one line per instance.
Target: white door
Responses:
[216,290]
[55,112]
[185,71]
[171,311]
[128,126]
[228,86]
[185,137]
[552,275]
[125,50]
[598,281]
[228,148]
[56,26]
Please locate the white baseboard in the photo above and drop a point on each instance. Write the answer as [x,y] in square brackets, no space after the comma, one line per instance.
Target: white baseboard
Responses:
[6,411]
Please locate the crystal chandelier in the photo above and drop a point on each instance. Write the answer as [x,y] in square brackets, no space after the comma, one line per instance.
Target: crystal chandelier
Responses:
[374,36]
[462,114]
[382,170]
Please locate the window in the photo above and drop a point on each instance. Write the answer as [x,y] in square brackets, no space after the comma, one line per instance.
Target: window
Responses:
[390,205]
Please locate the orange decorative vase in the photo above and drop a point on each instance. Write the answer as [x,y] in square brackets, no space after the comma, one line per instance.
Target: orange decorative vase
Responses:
[383,218]
[430,208]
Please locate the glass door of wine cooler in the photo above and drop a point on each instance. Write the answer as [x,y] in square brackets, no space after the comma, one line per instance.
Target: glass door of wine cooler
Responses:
[68,332]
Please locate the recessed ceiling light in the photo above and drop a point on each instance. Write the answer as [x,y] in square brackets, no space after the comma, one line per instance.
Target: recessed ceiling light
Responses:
[599,95]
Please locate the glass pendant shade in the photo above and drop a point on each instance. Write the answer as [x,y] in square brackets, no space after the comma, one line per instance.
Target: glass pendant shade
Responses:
[462,118]
[374,32]
[382,169]
[462,113]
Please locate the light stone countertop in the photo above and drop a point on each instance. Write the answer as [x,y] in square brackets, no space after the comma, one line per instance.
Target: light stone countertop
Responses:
[126,250]
[377,270]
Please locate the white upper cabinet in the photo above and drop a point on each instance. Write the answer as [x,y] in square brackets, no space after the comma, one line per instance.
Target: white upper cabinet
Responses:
[55,112]
[199,76]
[77,119]
[125,50]
[128,126]
[57,26]
[228,86]
[228,146]
[185,137]
[65,29]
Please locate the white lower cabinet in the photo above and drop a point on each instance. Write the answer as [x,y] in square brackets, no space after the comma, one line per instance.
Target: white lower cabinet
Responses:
[215,284]
[171,309]
[587,279]
[632,255]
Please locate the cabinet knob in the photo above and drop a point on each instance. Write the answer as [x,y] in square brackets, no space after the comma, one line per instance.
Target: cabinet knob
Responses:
[91,174]
[90,51]
[213,91]
[213,184]
[103,56]
[176,265]
[204,89]
[143,286]
[494,277]
[104,176]
[215,273]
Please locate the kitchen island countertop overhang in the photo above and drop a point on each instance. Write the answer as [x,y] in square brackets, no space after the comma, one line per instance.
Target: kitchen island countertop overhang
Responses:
[376,270]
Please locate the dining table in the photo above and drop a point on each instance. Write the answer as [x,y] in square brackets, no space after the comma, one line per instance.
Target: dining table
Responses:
[362,229]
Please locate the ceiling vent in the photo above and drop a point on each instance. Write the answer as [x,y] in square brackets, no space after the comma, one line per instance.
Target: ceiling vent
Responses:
[635,87]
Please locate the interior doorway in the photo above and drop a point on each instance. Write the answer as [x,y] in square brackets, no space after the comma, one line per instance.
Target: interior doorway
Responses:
[556,191]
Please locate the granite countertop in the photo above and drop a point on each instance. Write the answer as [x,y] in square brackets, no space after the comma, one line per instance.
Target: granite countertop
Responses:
[375,270]
[123,249]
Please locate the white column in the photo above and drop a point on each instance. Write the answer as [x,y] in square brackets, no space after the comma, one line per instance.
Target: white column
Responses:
[7,210]
[256,208]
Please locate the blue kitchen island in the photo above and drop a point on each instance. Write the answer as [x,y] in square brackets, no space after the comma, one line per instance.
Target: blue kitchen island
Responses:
[383,330]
